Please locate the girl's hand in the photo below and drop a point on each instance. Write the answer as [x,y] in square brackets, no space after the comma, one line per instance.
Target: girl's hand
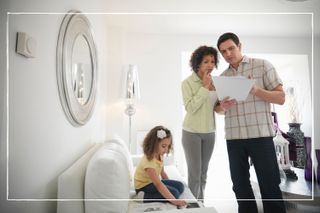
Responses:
[178,202]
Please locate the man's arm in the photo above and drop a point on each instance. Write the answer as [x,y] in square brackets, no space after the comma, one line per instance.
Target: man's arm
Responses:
[275,96]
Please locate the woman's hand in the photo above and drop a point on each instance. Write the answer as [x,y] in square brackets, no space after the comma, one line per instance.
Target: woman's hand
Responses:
[227,103]
[207,81]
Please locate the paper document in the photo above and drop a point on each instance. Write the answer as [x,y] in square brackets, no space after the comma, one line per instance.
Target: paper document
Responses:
[236,87]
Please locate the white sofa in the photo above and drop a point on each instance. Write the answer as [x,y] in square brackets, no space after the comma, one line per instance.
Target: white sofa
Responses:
[102,181]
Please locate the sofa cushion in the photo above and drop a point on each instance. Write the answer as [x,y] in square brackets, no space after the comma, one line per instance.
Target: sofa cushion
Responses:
[107,177]
[125,151]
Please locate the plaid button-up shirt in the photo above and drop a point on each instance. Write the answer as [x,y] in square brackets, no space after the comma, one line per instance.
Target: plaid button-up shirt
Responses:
[252,118]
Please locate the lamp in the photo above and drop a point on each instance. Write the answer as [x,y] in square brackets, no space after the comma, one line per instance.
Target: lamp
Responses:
[132,93]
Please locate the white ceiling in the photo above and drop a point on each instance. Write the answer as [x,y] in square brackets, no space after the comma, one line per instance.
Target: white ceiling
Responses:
[279,18]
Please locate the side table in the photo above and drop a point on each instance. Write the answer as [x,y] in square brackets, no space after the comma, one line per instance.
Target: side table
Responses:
[298,194]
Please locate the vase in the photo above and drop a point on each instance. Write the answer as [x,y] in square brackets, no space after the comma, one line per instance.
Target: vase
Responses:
[318,167]
[298,137]
[308,161]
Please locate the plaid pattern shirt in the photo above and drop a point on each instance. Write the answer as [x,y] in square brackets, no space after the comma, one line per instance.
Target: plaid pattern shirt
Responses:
[252,118]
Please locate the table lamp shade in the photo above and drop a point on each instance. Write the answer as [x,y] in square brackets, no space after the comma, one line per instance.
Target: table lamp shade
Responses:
[132,89]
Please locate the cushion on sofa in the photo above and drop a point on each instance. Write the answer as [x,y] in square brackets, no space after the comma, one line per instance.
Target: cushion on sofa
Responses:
[125,151]
[107,177]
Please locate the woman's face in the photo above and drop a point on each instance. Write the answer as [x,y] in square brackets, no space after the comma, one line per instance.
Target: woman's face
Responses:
[207,64]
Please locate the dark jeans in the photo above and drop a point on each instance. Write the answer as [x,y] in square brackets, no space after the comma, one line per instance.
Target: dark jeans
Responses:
[151,193]
[262,153]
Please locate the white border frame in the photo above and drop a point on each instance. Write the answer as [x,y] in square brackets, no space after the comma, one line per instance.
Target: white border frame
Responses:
[150,13]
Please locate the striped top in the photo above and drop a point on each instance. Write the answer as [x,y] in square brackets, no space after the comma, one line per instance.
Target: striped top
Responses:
[252,118]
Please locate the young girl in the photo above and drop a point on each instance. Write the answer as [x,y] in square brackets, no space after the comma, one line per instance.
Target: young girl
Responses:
[147,181]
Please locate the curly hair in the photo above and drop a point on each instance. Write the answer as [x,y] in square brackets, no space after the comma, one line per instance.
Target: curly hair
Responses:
[198,55]
[151,141]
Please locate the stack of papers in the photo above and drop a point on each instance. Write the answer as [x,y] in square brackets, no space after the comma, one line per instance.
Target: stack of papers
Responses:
[236,87]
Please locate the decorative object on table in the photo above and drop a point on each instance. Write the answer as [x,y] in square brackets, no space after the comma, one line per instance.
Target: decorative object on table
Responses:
[308,167]
[282,150]
[283,176]
[291,175]
[282,153]
[292,146]
[318,167]
[294,126]
[298,136]
[132,93]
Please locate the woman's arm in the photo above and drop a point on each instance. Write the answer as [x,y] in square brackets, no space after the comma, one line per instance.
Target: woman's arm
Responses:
[162,188]
[193,102]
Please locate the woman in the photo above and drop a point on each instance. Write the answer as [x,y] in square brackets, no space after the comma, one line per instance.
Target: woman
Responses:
[198,134]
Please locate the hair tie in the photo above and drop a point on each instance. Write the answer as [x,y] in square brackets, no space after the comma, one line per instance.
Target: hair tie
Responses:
[161,134]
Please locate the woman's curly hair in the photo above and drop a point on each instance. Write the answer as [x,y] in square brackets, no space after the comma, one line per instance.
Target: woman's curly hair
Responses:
[198,55]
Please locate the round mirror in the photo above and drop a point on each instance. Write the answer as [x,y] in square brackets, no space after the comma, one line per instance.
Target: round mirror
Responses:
[76,68]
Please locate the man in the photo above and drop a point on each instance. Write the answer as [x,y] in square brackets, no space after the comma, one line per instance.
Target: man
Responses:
[249,129]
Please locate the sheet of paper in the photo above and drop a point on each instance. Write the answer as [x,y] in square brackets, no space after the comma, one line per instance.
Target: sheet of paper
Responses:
[236,87]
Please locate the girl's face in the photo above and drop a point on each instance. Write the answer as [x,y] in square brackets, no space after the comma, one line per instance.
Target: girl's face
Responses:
[163,146]
[207,64]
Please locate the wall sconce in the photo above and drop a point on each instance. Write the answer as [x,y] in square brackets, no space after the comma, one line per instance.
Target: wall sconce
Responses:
[132,93]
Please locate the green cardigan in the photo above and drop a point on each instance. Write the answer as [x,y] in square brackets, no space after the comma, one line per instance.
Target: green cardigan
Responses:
[199,116]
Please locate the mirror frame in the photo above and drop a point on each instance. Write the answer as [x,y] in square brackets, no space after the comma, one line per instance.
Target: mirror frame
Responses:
[73,25]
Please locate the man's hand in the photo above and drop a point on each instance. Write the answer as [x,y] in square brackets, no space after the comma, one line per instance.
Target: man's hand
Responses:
[254,88]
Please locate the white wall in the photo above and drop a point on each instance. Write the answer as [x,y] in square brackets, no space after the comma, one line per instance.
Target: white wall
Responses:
[38,127]
[41,142]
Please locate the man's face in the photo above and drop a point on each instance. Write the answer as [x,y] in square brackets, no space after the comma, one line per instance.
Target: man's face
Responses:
[231,52]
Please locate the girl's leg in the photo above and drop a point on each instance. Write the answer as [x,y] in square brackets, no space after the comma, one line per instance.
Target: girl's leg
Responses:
[174,183]
[151,193]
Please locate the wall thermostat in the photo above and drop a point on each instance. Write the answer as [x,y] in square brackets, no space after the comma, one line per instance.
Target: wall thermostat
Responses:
[26,45]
